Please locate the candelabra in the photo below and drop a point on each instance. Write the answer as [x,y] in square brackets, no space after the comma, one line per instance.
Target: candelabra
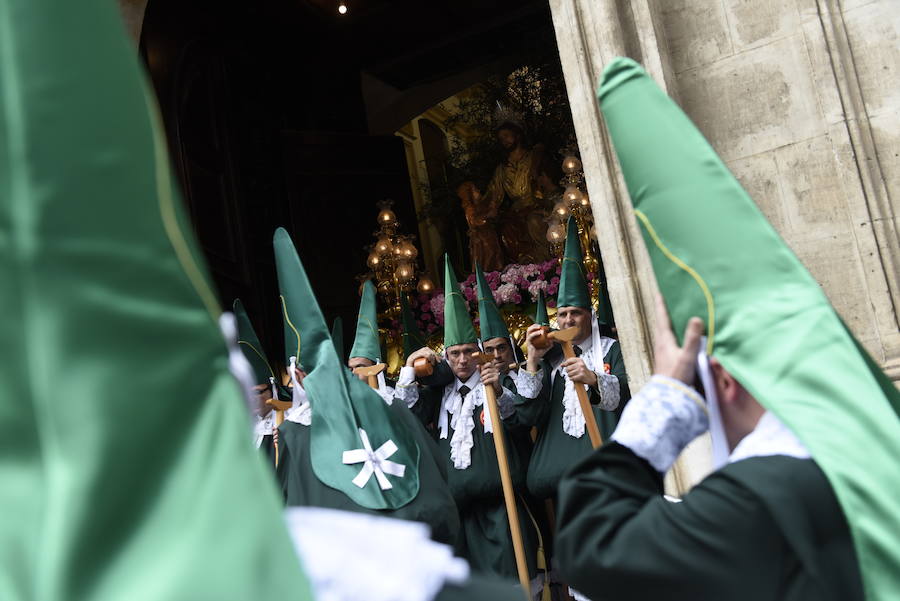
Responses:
[575,202]
[392,261]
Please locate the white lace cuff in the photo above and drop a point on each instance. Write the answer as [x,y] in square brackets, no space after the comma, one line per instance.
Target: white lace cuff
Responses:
[528,384]
[407,390]
[661,420]
[608,387]
[407,376]
[506,404]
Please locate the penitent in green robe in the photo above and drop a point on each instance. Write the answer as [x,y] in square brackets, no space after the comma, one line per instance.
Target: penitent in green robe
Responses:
[485,537]
[763,528]
[433,505]
[555,452]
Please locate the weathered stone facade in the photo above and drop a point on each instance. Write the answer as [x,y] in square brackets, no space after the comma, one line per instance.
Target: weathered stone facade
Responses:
[801,98]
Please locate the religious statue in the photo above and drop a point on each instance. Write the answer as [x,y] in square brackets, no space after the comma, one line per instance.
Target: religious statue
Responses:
[484,244]
[514,188]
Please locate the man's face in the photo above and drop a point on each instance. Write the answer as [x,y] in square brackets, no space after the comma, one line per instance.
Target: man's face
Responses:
[575,317]
[508,139]
[502,351]
[355,362]
[460,359]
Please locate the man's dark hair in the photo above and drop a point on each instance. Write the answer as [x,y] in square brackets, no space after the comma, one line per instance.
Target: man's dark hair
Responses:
[513,127]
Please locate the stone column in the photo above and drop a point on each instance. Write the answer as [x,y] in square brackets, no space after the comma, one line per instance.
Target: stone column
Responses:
[590,33]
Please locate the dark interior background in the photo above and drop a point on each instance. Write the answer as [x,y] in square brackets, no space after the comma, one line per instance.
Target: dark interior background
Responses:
[281,113]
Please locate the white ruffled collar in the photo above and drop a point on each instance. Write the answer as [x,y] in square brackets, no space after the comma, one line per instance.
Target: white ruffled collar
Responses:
[461,419]
[769,437]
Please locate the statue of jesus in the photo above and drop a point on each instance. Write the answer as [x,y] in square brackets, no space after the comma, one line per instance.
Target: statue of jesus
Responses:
[523,217]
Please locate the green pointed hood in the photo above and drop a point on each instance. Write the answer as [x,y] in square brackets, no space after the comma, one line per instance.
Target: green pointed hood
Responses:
[540,310]
[107,497]
[411,336]
[341,404]
[490,321]
[768,321]
[367,343]
[250,345]
[458,328]
[573,287]
[337,337]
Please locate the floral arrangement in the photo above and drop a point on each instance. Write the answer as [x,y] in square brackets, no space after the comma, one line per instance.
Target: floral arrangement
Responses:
[515,288]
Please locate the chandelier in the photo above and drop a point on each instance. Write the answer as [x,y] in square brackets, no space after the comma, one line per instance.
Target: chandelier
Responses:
[392,262]
[575,202]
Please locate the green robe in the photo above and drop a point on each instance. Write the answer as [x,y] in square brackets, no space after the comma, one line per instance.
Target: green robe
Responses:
[764,528]
[486,541]
[554,450]
[479,588]
[433,505]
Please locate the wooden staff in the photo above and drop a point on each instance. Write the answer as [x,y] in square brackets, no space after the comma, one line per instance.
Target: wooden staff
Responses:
[280,407]
[509,495]
[564,337]
[371,373]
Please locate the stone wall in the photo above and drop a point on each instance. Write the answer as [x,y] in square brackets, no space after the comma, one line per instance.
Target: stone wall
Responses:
[801,98]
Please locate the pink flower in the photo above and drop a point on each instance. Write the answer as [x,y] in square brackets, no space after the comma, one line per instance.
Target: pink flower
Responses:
[553,288]
[437,307]
[504,293]
[554,281]
[426,315]
[535,287]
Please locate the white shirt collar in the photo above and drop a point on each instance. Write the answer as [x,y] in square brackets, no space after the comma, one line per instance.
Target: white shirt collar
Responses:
[586,344]
[770,437]
[472,382]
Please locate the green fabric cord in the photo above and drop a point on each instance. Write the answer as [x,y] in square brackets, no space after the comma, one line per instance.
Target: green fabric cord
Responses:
[490,321]
[250,345]
[411,336]
[367,343]
[125,457]
[458,328]
[573,286]
[341,403]
[540,310]
[769,323]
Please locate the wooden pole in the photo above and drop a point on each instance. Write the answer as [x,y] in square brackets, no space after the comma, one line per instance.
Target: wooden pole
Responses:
[564,337]
[280,407]
[509,494]
[371,373]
